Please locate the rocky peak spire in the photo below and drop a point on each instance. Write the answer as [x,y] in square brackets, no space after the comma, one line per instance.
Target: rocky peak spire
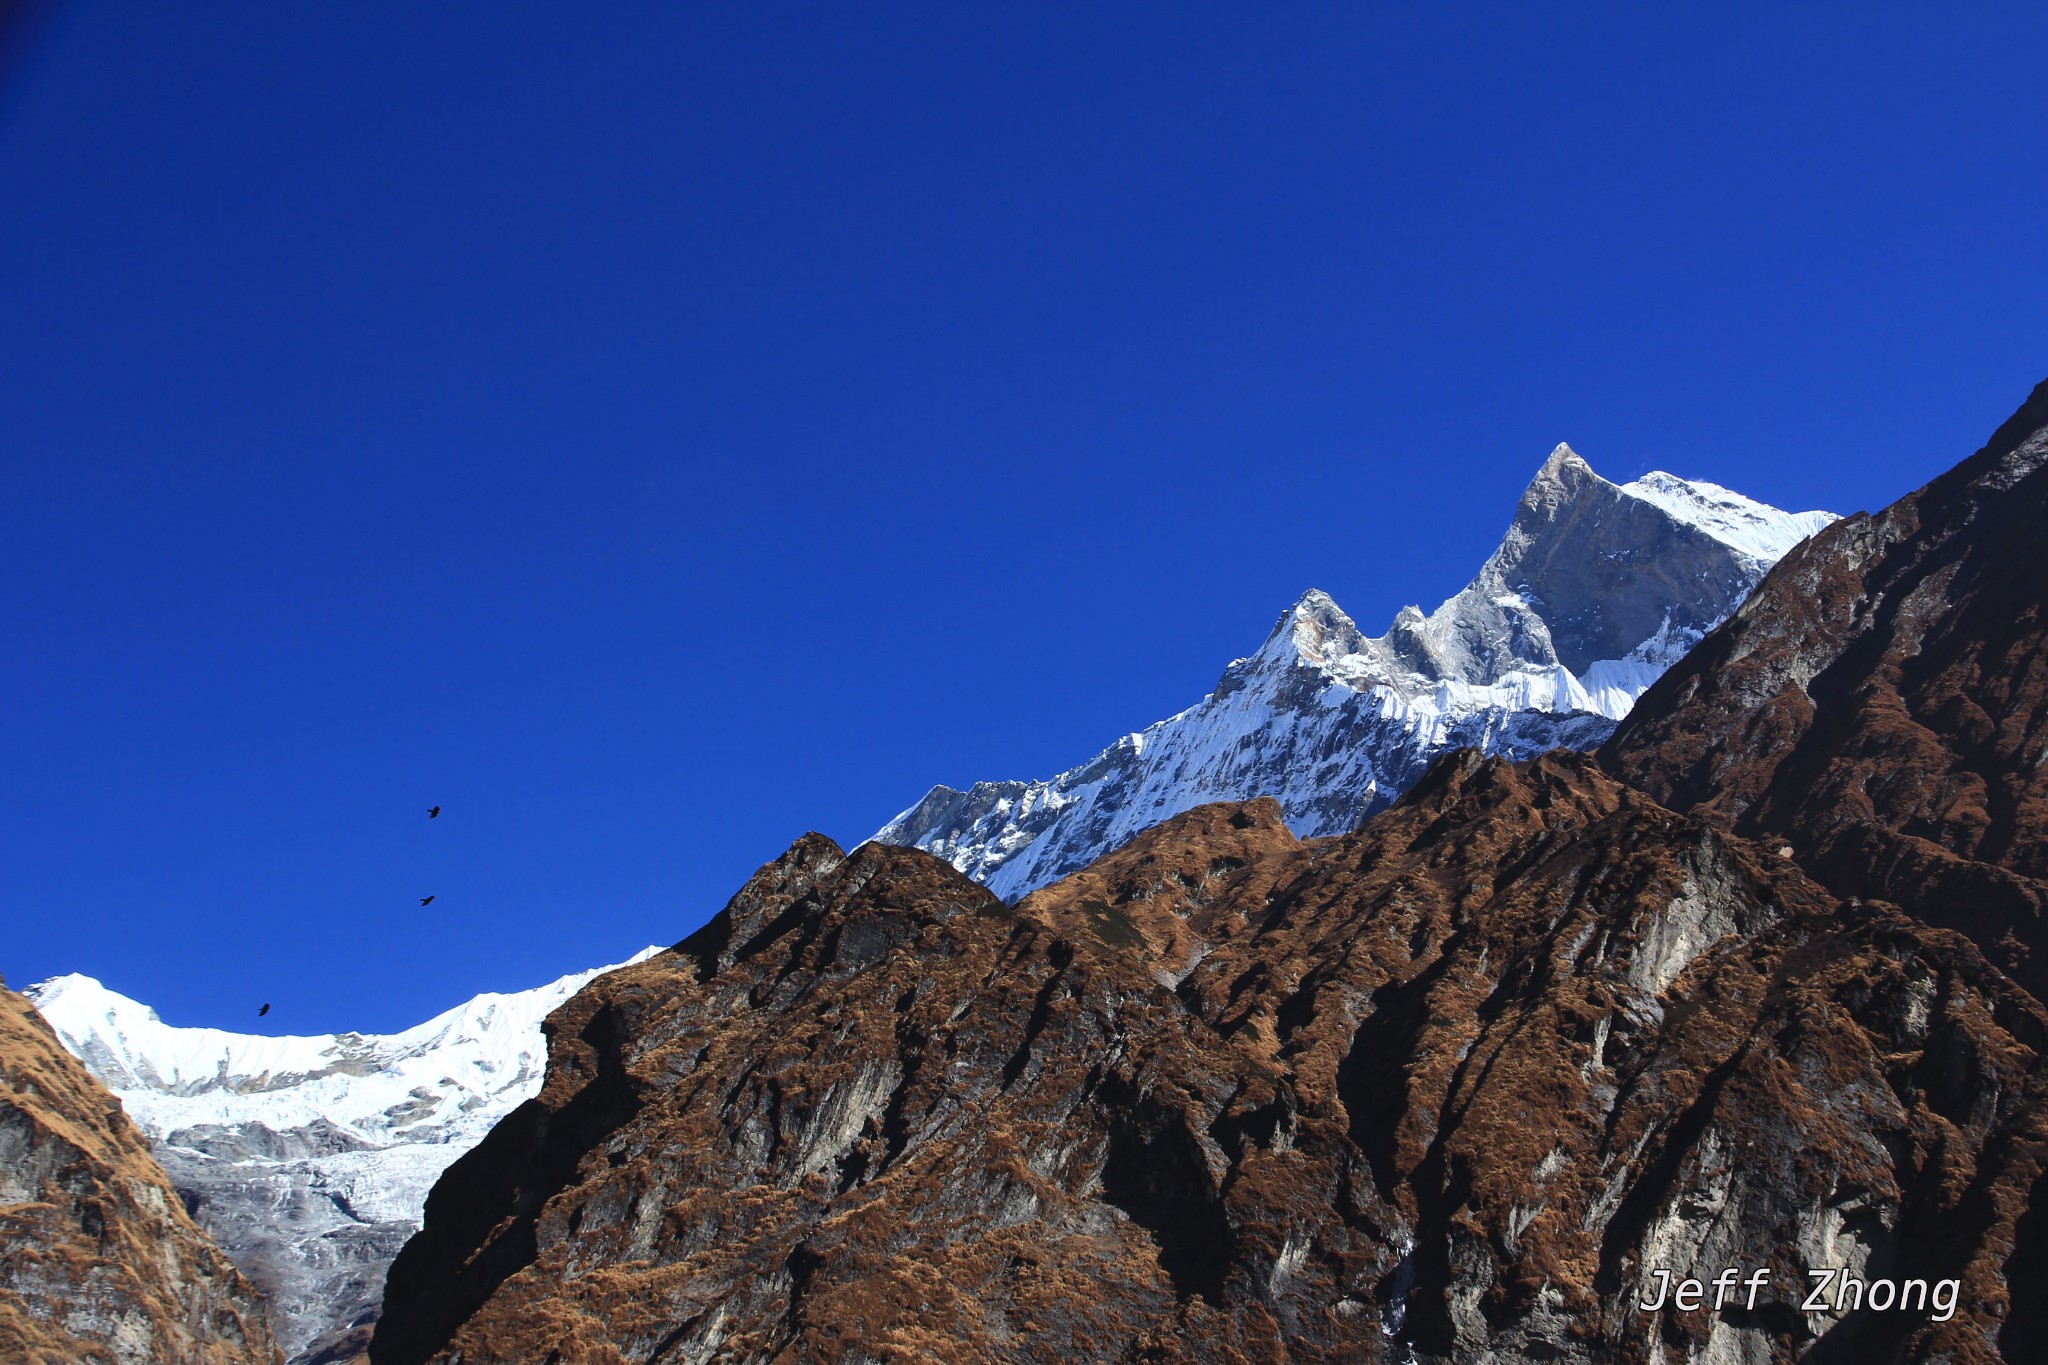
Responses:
[1314,631]
[1564,481]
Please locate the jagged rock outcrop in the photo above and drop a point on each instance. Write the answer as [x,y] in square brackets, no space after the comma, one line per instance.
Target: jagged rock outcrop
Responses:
[1593,591]
[1880,705]
[1447,1086]
[99,1261]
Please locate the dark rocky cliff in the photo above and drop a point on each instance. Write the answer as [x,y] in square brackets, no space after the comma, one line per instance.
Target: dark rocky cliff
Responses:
[99,1261]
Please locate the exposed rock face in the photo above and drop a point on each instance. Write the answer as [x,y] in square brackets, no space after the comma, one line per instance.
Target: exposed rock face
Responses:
[1444,1088]
[1594,590]
[309,1158]
[99,1261]
[1880,705]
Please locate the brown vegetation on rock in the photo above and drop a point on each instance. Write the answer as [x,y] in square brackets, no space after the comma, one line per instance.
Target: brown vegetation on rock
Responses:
[1447,1084]
[99,1261]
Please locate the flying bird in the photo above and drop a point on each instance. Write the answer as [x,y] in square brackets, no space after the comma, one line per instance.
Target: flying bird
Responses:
[426,900]
[433,812]
[265,1010]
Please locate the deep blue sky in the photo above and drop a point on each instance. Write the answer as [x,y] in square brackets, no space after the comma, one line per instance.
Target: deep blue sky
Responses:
[653,432]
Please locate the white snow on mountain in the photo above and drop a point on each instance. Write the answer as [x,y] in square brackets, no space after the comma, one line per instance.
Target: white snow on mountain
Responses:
[1757,529]
[310,1158]
[1596,589]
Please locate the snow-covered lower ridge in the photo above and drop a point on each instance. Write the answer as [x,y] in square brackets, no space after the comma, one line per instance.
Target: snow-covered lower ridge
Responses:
[434,1082]
[310,1158]
[1596,589]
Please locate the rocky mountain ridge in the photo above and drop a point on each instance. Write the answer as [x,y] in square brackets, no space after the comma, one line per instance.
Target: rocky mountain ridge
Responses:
[1595,589]
[1396,1109]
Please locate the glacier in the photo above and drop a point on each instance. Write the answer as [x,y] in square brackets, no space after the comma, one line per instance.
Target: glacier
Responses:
[309,1158]
[1595,590]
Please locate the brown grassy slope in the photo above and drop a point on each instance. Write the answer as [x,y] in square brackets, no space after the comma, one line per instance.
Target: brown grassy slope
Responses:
[1456,1078]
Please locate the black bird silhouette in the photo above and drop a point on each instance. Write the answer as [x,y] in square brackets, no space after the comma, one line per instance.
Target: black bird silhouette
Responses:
[426,900]
[433,812]
[265,1010]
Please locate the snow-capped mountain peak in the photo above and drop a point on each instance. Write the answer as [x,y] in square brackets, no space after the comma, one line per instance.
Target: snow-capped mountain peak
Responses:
[1594,590]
